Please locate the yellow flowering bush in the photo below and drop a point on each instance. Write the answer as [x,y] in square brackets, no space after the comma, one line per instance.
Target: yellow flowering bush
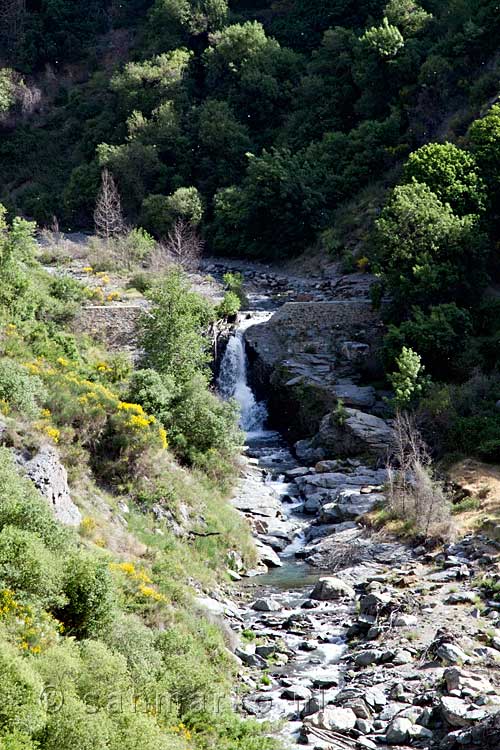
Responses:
[32,630]
[95,414]
[137,584]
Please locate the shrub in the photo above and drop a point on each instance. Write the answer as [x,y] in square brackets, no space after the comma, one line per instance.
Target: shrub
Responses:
[229,306]
[234,283]
[414,494]
[451,173]
[426,254]
[130,637]
[26,565]
[134,730]
[160,212]
[154,392]
[20,390]
[173,330]
[441,335]
[74,726]
[20,691]
[67,289]
[203,423]
[17,741]
[89,589]
[103,677]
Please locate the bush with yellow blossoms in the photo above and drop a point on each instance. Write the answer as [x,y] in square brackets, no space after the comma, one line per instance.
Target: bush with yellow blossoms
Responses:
[94,415]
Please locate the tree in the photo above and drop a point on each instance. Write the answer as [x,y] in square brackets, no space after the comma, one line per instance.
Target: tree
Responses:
[173,329]
[108,217]
[160,213]
[183,245]
[427,255]
[408,381]
[407,15]
[386,39]
[451,173]
[442,336]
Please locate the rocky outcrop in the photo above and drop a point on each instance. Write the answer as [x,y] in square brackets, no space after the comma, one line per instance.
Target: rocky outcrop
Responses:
[351,432]
[309,355]
[51,479]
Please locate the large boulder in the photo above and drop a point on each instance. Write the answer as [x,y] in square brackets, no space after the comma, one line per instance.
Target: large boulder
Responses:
[356,396]
[353,433]
[459,713]
[327,589]
[333,719]
[350,504]
[51,479]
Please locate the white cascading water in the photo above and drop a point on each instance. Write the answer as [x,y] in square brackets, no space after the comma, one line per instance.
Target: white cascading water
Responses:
[233,383]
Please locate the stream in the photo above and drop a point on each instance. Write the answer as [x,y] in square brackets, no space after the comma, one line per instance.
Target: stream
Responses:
[302,639]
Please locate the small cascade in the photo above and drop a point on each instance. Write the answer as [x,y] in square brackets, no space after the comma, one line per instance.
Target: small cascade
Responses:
[233,383]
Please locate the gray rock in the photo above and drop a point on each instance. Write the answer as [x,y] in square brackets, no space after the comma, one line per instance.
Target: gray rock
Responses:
[326,467]
[405,621]
[459,679]
[364,726]
[370,656]
[266,605]
[311,707]
[398,731]
[374,603]
[306,451]
[267,555]
[296,693]
[250,659]
[461,597]
[451,654]
[329,513]
[402,657]
[51,479]
[330,588]
[418,732]
[458,713]
[358,433]
[360,397]
[333,718]
[350,505]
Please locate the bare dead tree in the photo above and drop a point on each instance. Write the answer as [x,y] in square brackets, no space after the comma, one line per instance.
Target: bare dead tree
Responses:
[414,493]
[183,245]
[108,216]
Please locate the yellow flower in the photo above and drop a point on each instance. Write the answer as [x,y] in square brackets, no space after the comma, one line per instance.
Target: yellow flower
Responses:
[150,593]
[87,269]
[52,432]
[112,296]
[137,420]
[362,263]
[125,406]
[63,362]
[46,413]
[163,437]
[4,407]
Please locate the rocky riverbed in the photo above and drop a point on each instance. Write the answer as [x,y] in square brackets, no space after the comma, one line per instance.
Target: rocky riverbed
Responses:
[347,638]
[354,641]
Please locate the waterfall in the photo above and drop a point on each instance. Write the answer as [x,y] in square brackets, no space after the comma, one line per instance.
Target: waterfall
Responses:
[233,383]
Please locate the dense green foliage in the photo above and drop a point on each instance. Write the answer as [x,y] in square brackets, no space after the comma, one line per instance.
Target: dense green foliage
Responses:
[100,649]
[259,123]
